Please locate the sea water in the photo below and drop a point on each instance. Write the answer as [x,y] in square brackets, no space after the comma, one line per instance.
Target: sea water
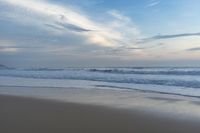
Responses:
[170,80]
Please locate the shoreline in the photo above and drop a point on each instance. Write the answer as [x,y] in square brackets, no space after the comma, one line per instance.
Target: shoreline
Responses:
[22,115]
[173,106]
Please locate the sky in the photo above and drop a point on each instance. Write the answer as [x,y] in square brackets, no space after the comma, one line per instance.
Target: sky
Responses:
[89,33]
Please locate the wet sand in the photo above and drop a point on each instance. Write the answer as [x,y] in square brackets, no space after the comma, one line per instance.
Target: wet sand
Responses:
[29,115]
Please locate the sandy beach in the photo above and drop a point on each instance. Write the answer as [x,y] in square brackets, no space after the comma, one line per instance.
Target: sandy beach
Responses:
[29,115]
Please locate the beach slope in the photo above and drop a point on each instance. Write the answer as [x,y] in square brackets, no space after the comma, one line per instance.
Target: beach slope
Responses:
[28,115]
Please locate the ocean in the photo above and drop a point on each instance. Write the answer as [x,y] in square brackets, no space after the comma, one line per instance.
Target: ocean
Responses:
[170,80]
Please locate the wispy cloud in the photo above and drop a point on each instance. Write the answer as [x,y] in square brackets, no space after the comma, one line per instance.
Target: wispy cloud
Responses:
[72,27]
[17,47]
[5,42]
[9,46]
[193,49]
[153,3]
[5,46]
[67,27]
[160,37]
[8,49]
[57,19]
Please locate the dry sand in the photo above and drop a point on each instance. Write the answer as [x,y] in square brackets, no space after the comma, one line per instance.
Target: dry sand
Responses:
[28,115]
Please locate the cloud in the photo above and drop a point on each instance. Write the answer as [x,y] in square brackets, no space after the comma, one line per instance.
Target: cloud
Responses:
[153,3]
[17,47]
[5,46]
[73,27]
[160,37]
[8,46]
[193,49]
[5,42]
[8,49]
[64,26]
[61,20]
